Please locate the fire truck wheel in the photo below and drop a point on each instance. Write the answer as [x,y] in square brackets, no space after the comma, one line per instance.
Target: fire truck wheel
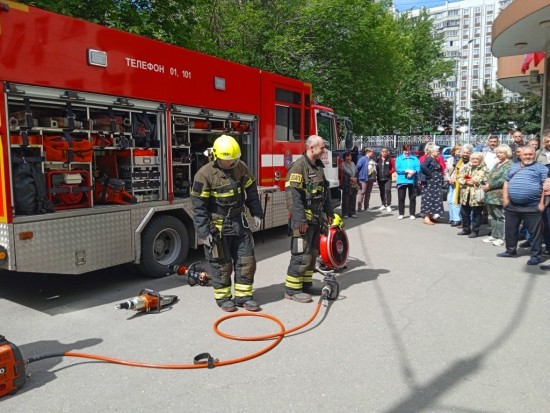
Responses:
[164,241]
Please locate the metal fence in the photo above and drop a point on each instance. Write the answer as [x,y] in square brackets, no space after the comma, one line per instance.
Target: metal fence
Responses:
[396,142]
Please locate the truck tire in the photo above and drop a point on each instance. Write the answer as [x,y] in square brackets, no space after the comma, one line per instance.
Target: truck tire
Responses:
[164,241]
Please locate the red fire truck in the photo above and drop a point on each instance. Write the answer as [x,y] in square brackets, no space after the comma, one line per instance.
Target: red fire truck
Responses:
[116,125]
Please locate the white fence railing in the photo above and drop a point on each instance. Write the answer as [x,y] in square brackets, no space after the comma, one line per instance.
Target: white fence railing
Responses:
[396,142]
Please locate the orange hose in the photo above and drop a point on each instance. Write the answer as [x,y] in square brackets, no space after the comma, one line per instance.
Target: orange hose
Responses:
[278,338]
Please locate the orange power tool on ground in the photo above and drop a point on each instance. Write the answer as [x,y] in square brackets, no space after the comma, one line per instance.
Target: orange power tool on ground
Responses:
[148,301]
[12,368]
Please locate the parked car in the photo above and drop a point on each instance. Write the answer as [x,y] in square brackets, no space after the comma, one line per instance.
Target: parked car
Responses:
[394,153]
[446,152]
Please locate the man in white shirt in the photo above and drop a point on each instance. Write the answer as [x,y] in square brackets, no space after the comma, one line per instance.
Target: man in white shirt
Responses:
[489,154]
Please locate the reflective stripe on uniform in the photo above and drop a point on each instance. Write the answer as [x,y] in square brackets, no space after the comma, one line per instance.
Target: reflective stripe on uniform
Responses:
[243,290]
[227,194]
[220,293]
[308,276]
[249,182]
[293,282]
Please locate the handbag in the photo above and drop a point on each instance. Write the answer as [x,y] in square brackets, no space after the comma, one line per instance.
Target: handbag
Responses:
[479,195]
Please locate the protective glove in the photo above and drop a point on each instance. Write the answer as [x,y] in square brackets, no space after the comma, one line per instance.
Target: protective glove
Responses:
[209,241]
[257,222]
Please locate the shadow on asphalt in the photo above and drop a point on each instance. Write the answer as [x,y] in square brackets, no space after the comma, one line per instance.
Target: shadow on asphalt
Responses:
[45,373]
[425,396]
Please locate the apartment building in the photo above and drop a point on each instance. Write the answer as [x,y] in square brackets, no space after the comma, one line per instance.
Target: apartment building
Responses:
[466,28]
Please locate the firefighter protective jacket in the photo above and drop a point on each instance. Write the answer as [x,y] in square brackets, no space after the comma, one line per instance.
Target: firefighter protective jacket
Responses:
[221,195]
[307,192]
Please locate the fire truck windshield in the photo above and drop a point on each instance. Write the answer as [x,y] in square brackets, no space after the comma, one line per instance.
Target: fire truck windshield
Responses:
[326,129]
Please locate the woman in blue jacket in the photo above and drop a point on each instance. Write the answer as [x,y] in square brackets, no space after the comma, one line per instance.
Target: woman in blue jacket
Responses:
[407,168]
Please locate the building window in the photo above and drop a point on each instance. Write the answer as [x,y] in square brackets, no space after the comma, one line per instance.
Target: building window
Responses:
[488,49]
[475,82]
[453,12]
[488,70]
[476,51]
[465,33]
[475,72]
[477,20]
[477,30]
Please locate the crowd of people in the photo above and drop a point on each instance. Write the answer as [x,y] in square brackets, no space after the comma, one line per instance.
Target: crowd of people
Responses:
[505,186]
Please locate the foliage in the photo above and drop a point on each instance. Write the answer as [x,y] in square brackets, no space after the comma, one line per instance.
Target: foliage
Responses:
[167,20]
[491,113]
[362,59]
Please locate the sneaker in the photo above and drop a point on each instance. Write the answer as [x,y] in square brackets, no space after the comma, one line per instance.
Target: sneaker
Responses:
[400,217]
[533,261]
[473,235]
[382,208]
[250,305]
[299,297]
[489,239]
[345,216]
[353,216]
[524,244]
[412,217]
[228,306]
[388,208]
[498,242]
[435,216]
[507,254]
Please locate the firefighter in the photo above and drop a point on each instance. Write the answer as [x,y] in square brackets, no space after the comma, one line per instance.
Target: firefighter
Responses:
[307,198]
[222,190]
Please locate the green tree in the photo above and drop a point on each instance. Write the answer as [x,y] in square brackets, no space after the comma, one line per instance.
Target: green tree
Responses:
[170,21]
[362,60]
[492,113]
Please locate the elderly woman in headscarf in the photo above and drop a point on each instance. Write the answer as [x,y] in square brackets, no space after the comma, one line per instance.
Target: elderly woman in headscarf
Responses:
[465,153]
[349,174]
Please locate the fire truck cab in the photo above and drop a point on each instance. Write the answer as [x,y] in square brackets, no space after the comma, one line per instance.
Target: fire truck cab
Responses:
[116,126]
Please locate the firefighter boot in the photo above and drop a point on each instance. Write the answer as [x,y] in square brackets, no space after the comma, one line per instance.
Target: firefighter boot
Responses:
[299,297]
[250,305]
[228,306]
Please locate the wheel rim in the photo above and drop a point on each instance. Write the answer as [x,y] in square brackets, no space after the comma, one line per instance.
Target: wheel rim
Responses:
[167,246]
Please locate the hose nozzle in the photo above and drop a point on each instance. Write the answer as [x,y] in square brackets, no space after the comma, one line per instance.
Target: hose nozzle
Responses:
[331,288]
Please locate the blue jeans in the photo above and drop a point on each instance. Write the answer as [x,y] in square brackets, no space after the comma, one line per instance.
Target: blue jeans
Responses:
[454,209]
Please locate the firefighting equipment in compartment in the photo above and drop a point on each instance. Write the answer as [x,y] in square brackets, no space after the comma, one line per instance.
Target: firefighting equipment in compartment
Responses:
[67,148]
[334,246]
[148,301]
[227,148]
[69,189]
[195,274]
[29,187]
[111,191]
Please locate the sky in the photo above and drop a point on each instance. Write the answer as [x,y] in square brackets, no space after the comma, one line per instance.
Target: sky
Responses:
[404,5]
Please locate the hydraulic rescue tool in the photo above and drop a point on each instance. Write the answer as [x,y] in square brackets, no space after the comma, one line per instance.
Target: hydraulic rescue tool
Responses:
[195,274]
[13,372]
[148,301]
[12,368]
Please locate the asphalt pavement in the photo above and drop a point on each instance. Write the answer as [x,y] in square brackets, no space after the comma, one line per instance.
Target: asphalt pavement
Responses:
[426,321]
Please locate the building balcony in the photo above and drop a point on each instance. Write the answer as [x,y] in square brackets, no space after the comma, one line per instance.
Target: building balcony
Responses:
[522,27]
